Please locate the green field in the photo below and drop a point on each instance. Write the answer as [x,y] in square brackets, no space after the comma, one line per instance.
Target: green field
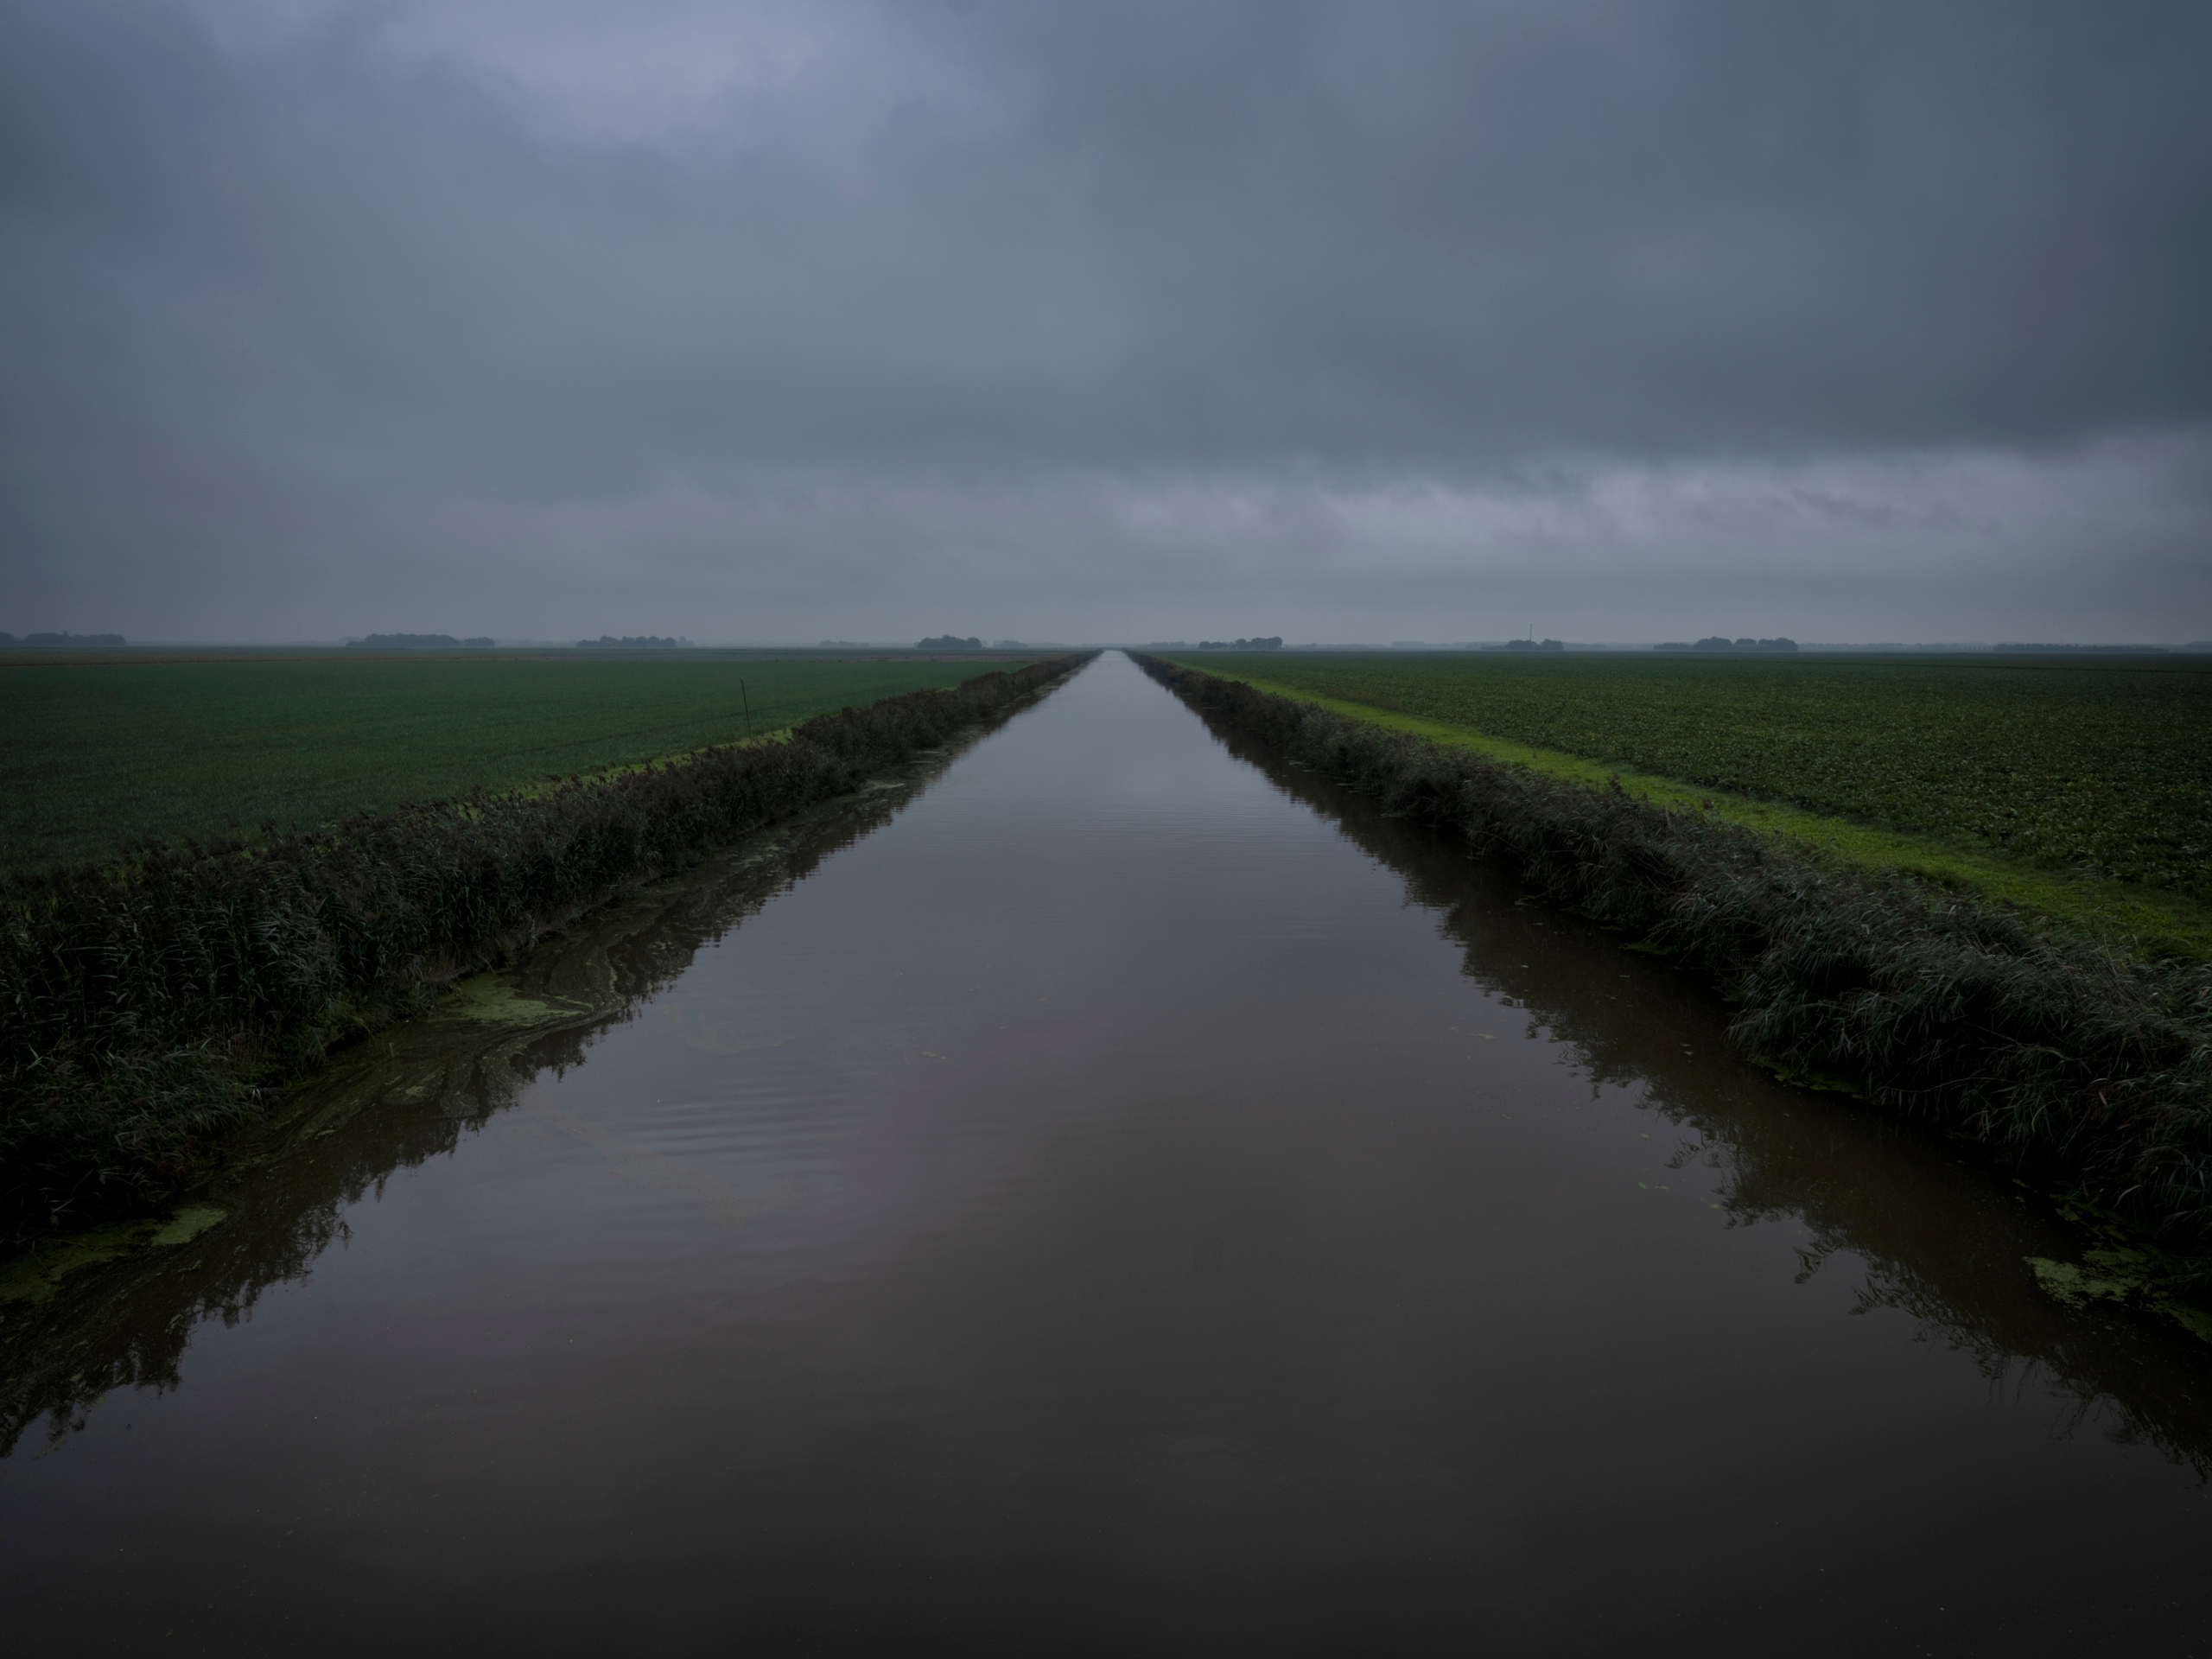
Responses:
[2098,767]
[96,756]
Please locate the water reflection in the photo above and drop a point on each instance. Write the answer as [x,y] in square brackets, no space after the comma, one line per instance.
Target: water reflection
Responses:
[1133,1202]
[78,1327]
[1939,1230]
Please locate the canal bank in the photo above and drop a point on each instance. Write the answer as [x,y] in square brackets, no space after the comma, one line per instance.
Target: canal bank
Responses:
[155,1006]
[1125,1195]
[2079,1060]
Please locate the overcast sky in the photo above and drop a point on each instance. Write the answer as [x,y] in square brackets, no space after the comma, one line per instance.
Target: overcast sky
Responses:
[779,319]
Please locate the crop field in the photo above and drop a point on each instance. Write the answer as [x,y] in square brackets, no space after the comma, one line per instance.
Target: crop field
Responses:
[2099,767]
[95,757]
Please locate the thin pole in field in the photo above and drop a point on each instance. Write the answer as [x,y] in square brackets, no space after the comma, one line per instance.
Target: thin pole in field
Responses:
[748,708]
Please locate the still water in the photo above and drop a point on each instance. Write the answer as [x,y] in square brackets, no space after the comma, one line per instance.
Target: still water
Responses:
[1099,1194]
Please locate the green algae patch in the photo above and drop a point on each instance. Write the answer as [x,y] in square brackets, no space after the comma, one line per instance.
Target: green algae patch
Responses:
[34,1278]
[1812,1077]
[496,1000]
[2121,1271]
[187,1224]
[2099,1276]
[2195,1320]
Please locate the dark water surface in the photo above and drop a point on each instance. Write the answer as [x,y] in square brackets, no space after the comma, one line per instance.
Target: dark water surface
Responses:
[1100,1197]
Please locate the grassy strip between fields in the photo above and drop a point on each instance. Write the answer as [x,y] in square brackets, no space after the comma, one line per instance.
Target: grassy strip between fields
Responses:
[2165,919]
[2061,1047]
[148,1006]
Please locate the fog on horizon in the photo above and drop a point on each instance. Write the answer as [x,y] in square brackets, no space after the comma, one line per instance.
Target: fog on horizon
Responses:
[874,319]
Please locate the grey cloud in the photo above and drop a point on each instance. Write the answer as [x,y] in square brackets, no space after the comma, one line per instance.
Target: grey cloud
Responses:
[283,302]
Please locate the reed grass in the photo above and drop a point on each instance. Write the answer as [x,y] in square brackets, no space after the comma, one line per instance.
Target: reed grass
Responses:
[148,1006]
[2058,1045]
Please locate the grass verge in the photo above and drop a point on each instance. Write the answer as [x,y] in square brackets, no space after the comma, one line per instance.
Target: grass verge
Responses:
[2162,922]
[2095,766]
[148,1007]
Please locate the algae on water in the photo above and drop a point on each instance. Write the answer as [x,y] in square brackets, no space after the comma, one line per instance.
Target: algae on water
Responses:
[2127,1277]
[35,1276]
[495,998]
[187,1224]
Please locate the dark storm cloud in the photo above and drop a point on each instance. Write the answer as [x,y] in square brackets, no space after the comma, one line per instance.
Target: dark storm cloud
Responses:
[931,300]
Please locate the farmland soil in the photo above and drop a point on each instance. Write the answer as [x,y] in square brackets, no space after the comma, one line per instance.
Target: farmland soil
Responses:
[1102,1193]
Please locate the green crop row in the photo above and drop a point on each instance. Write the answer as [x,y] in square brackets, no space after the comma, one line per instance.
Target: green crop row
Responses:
[2092,766]
[95,757]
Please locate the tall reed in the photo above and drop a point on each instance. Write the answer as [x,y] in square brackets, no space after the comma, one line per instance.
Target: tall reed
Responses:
[148,1006]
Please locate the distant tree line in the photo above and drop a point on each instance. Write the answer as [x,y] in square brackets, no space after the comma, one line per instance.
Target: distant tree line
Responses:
[1267,642]
[81,640]
[949,642]
[1527,645]
[1718,642]
[2094,650]
[417,642]
[628,642]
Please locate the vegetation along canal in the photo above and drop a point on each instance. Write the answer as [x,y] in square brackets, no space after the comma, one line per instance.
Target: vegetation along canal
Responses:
[1104,1195]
